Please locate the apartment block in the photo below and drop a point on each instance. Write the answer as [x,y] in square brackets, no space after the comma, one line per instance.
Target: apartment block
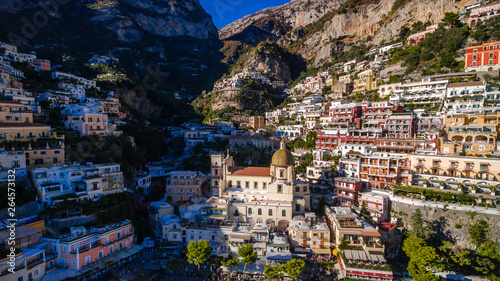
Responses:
[84,181]
[445,171]
[381,170]
[82,248]
[347,189]
[471,134]
[183,186]
[375,205]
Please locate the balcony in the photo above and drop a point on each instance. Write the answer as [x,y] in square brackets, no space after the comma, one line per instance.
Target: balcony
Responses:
[484,169]
[35,263]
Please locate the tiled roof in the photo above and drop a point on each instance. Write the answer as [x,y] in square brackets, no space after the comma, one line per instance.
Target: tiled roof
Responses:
[24,125]
[10,102]
[250,171]
[465,84]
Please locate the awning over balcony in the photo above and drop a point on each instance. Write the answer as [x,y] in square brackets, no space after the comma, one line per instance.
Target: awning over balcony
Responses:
[320,251]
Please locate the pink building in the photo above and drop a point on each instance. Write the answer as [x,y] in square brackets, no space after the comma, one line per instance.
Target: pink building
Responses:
[83,247]
[483,13]
[40,65]
[414,39]
[87,120]
[377,205]
[184,186]
[347,190]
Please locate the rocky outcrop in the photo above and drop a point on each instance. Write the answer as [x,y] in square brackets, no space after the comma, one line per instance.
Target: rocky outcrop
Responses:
[280,20]
[372,21]
[267,58]
[131,20]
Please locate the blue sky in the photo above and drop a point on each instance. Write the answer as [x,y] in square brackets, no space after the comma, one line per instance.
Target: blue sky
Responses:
[226,11]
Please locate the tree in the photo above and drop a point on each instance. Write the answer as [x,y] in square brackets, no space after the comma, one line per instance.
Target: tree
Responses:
[230,261]
[214,261]
[248,255]
[421,257]
[477,232]
[175,264]
[345,245]
[451,18]
[274,272]
[198,252]
[419,227]
[294,268]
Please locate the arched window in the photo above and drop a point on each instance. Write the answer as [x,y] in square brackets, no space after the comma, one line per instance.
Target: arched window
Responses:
[259,212]
[283,213]
[259,220]
[249,211]
[270,212]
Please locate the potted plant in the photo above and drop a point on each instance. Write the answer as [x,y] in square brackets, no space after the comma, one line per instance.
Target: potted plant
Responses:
[474,189]
[441,185]
[493,191]
[460,187]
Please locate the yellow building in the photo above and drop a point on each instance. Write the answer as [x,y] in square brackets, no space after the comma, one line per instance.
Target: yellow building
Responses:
[14,112]
[257,122]
[267,195]
[470,134]
[454,172]
[42,146]
[366,81]
[26,132]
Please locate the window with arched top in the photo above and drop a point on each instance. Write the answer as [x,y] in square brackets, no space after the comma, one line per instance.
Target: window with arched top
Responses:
[270,212]
[249,211]
[259,212]
[283,213]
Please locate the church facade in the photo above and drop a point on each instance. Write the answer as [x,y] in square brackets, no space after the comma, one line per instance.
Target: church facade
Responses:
[269,195]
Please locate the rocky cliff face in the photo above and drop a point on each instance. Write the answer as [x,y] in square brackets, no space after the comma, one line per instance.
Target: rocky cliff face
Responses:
[177,37]
[130,20]
[287,22]
[275,22]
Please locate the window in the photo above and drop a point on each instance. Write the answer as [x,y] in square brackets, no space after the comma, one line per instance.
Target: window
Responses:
[264,185]
[247,184]
[259,212]
[280,188]
[305,188]
[20,278]
[249,211]
[100,254]
[270,212]
[281,173]
[255,185]
[65,249]
[283,213]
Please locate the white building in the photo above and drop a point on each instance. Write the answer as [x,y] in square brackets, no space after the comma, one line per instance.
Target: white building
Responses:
[427,89]
[87,120]
[12,162]
[84,181]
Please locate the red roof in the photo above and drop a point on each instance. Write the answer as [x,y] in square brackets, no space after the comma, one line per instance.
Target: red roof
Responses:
[250,171]
[387,226]
[370,233]
[10,102]
[25,125]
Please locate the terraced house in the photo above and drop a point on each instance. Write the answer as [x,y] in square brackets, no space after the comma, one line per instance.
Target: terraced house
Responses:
[453,172]
[471,134]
